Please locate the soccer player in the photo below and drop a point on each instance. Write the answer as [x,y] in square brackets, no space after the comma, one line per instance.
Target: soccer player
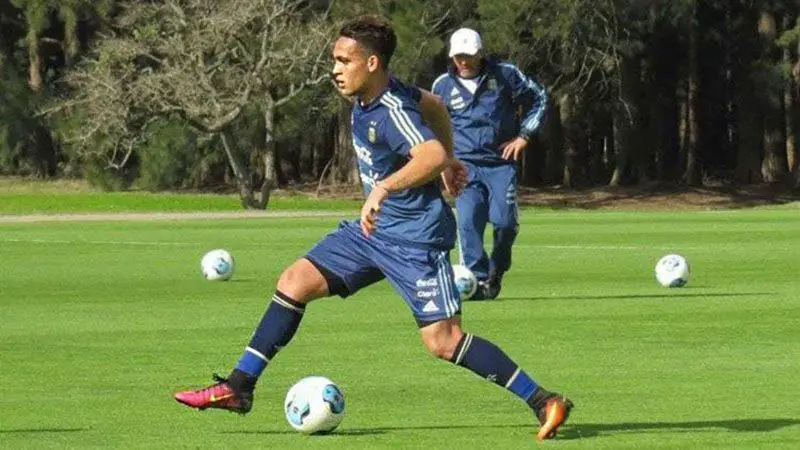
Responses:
[482,96]
[404,235]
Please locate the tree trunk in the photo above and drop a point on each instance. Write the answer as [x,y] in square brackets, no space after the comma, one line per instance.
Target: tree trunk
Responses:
[620,158]
[599,135]
[692,176]
[567,112]
[627,120]
[34,61]
[242,174]
[322,153]
[749,130]
[664,64]
[304,161]
[269,157]
[665,124]
[790,104]
[69,18]
[747,124]
[343,166]
[773,166]
[550,160]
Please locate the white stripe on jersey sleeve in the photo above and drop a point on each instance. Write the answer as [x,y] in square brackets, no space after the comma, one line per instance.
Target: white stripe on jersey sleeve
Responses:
[401,119]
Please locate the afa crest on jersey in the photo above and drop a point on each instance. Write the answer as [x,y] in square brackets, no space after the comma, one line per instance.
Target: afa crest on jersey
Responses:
[492,84]
[372,135]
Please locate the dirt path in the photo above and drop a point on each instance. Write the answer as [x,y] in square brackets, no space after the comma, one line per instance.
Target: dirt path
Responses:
[659,199]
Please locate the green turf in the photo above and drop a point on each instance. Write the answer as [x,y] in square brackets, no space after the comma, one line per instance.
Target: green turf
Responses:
[101,322]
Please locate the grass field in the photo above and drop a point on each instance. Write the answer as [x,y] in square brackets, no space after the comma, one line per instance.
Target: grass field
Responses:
[22,196]
[103,321]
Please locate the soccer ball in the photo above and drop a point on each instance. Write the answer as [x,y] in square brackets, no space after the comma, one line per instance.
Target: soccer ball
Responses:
[217,265]
[672,271]
[314,405]
[465,280]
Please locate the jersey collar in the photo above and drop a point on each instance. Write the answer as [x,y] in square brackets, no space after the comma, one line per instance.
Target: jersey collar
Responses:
[377,100]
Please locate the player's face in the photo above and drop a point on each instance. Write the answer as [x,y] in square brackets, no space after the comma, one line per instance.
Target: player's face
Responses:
[468,66]
[351,67]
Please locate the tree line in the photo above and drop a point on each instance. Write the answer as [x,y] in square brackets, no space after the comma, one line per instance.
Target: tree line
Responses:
[235,94]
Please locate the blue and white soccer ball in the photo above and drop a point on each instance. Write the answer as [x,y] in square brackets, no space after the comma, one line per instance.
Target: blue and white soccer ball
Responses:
[672,271]
[314,405]
[465,280]
[217,265]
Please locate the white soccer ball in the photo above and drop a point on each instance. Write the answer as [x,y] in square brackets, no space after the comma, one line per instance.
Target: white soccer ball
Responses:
[465,280]
[314,405]
[217,265]
[672,271]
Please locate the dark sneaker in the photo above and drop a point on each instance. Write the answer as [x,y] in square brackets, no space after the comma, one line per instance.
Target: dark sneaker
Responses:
[488,289]
[219,395]
[552,415]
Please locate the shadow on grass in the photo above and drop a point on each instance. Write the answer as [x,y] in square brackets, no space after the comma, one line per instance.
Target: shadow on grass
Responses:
[671,294]
[41,430]
[587,430]
[380,430]
[576,431]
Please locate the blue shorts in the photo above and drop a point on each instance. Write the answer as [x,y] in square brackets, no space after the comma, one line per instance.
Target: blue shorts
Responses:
[423,277]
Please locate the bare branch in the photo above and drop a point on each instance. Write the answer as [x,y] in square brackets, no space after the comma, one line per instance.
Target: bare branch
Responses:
[202,61]
[296,89]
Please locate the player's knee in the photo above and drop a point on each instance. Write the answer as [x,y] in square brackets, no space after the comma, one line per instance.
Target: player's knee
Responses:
[302,282]
[440,349]
[506,227]
[441,345]
[289,278]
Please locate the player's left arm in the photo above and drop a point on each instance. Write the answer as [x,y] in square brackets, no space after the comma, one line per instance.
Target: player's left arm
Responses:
[435,114]
[525,91]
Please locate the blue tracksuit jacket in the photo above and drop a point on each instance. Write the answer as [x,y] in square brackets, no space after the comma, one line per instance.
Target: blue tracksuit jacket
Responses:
[483,121]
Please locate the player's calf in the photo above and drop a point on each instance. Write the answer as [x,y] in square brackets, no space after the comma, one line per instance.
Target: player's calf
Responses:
[491,363]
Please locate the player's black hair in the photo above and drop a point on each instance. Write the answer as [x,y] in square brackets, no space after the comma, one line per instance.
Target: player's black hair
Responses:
[375,34]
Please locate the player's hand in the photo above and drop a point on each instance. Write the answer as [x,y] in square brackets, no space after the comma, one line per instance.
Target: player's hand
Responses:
[513,149]
[454,177]
[371,209]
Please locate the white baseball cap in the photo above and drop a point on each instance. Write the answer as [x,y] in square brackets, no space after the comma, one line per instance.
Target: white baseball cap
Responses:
[465,41]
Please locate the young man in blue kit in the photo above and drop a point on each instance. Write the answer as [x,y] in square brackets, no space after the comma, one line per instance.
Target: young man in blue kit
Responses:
[482,96]
[405,233]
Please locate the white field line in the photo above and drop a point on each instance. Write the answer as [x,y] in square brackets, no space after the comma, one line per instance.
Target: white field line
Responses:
[191,244]
[68,242]
[602,247]
[126,217]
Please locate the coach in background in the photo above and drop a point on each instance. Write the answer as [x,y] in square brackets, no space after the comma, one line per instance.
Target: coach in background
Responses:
[483,96]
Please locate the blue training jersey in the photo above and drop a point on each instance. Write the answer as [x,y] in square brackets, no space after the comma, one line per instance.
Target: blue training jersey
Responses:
[384,132]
